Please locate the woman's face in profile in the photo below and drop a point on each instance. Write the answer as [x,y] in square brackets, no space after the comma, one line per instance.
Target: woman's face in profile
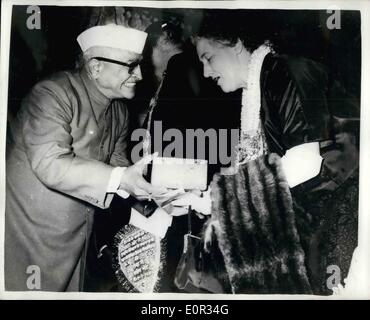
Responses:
[221,63]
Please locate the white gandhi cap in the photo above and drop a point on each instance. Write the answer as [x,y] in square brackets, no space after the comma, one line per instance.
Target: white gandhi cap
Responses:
[113,36]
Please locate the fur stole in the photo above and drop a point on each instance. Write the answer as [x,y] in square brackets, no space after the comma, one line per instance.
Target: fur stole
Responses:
[256,229]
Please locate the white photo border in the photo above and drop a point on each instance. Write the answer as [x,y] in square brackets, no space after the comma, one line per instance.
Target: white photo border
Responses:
[359,288]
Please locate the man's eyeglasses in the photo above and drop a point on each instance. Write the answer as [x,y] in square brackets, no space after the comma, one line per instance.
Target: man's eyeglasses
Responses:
[131,66]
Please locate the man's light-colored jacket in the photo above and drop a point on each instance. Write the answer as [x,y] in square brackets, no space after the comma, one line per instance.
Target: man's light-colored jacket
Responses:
[64,144]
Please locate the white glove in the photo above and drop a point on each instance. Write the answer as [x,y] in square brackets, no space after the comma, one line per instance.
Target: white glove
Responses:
[302,163]
[198,203]
[157,224]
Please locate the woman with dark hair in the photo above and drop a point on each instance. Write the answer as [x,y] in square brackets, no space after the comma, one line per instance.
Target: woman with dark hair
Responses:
[287,209]
[165,40]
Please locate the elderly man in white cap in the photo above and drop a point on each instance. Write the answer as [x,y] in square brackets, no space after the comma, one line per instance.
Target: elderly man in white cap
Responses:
[68,156]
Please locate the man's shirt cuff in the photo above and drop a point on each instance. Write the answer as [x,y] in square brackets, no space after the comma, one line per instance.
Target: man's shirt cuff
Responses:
[114,182]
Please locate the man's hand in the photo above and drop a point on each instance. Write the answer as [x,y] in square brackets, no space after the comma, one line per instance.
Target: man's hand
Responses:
[133,182]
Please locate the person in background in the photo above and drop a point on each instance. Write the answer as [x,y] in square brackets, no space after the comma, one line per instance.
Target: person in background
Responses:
[164,41]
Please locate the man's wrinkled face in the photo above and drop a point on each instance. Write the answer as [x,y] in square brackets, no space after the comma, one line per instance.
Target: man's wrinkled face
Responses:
[119,81]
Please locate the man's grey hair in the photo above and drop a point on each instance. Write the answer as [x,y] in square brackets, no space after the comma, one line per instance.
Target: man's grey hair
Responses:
[86,56]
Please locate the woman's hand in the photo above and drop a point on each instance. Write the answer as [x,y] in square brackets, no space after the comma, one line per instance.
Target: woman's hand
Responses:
[301,163]
[200,202]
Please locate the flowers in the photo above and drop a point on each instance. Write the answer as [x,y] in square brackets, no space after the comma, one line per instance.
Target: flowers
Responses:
[252,142]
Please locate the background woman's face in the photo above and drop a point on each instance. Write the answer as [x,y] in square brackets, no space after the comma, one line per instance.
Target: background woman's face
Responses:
[221,63]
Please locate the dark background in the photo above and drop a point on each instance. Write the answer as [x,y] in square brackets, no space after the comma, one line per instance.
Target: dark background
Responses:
[37,53]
